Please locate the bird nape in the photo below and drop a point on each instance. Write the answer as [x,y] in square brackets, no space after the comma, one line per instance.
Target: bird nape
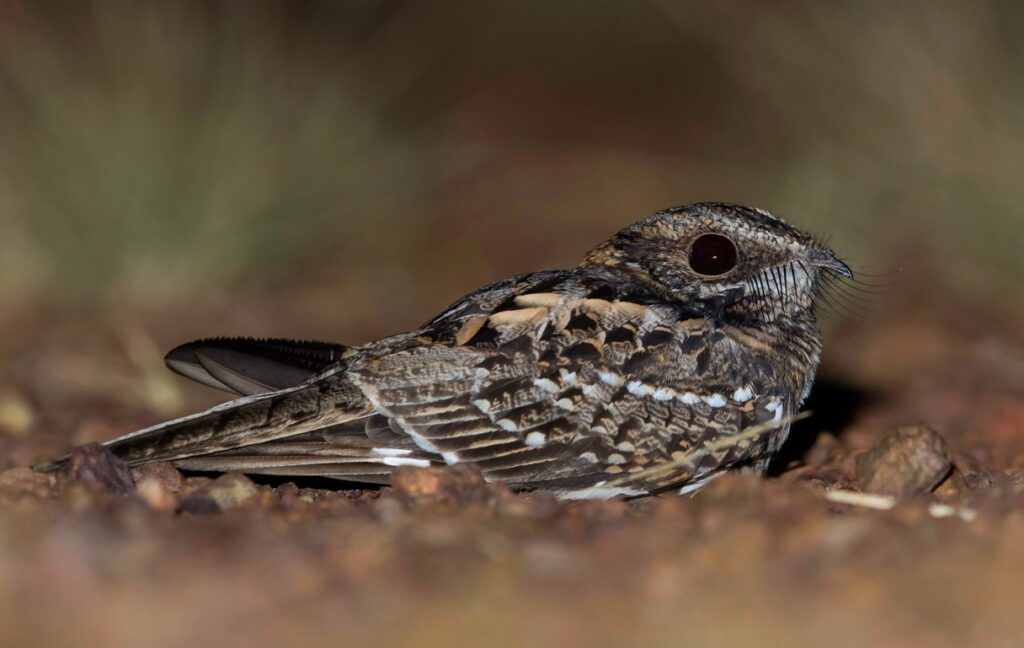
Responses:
[683,332]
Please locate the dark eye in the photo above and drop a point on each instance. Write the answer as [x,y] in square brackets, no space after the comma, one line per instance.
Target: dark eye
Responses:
[712,254]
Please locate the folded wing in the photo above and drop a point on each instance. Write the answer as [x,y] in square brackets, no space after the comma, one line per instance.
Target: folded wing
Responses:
[248,366]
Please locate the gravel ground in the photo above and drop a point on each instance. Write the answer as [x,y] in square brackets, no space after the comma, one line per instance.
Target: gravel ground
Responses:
[894,517]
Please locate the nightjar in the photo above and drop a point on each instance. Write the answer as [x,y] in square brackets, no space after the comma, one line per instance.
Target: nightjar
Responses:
[666,342]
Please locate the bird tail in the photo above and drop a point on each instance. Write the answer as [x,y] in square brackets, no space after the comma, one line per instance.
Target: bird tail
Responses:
[248,421]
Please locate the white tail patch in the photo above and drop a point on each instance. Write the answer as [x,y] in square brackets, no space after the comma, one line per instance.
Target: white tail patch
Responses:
[405,461]
[390,452]
[599,491]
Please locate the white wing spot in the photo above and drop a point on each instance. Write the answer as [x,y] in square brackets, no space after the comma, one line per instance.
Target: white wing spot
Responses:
[508,425]
[535,439]
[566,404]
[420,440]
[568,377]
[775,407]
[548,385]
[590,391]
[715,400]
[664,394]
[610,378]
[450,458]
[638,388]
[626,446]
[690,398]
[616,458]
[390,452]
[743,394]
[404,461]
[589,456]
[601,492]
[482,404]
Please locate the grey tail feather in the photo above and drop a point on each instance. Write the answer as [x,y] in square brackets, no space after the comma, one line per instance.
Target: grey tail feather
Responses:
[248,366]
[252,420]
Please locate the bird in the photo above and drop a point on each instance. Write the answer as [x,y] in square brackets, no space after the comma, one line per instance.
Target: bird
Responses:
[634,373]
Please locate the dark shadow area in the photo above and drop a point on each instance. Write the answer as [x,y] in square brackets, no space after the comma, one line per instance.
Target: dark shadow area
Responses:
[320,483]
[834,405]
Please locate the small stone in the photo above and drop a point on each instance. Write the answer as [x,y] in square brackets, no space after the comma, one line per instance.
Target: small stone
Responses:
[290,498]
[287,491]
[977,476]
[228,491]
[539,506]
[16,415]
[907,461]
[458,485]
[162,471]
[95,463]
[25,481]
[154,492]
[191,484]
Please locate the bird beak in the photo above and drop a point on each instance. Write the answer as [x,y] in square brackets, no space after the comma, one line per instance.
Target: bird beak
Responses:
[827,259]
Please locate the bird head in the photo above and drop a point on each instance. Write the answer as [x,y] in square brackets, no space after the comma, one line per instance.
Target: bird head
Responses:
[739,261]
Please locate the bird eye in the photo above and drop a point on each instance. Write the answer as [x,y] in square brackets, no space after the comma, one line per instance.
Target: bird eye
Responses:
[712,255]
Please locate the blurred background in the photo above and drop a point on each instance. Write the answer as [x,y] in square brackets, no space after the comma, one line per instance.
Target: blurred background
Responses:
[342,170]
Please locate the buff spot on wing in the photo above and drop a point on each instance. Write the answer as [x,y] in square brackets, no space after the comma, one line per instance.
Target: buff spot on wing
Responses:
[470,328]
[518,317]
[545,300]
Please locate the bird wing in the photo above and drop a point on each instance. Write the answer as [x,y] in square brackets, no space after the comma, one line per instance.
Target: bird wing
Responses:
[541,381]
[560,388]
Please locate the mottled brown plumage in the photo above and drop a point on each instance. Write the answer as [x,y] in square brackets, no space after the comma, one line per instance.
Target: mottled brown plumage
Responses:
[683,329]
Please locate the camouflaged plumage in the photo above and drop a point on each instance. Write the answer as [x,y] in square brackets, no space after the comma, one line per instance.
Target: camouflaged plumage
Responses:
[567,380]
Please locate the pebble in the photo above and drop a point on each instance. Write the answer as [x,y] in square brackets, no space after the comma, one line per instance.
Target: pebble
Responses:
[907,461]
[95,463]
[451,486]
[227,492]
[161,471]
[25,481]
